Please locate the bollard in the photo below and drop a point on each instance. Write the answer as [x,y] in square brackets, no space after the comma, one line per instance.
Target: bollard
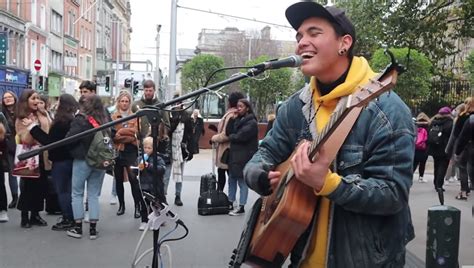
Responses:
[442,243]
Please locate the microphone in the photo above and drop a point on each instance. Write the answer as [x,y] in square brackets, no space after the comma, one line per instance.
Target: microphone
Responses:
[291,61]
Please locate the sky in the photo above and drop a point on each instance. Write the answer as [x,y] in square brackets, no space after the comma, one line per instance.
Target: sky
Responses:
[147,14]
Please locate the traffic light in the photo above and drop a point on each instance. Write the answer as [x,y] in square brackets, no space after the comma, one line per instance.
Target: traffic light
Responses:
[135,87]
[127,83]
[107,84]
[40,84]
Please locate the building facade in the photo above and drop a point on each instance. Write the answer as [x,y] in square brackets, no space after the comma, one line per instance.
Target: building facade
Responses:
[53,45]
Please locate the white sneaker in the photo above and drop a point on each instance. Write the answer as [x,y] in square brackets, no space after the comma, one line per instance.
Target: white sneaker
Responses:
[86,216]
[452,180]
[142,226]
[3,216]
[113,200]
[420,179]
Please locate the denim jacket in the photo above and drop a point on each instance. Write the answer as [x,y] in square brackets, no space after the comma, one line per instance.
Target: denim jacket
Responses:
[370,221]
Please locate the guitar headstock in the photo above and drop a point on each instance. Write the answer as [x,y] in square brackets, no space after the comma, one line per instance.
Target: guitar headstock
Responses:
[376,87]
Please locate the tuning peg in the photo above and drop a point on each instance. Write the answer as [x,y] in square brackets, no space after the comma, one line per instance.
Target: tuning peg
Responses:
[234,251]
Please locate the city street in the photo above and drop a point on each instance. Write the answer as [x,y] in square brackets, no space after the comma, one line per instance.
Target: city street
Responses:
[210,240]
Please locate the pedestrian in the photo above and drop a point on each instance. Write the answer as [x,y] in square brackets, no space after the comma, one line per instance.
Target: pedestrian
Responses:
[148,98]
[362,217]
[198,130]
[270,120]
[151,178]
[438,137]
[421,148]
[181,136]
[33,191]
[463,160]
[242,131]
[91,112]
[9,107]
[60,157]
[3,152]
[464,145]
[126,142]
[222,140]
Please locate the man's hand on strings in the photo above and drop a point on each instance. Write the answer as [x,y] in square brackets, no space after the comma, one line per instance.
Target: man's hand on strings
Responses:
[310,173]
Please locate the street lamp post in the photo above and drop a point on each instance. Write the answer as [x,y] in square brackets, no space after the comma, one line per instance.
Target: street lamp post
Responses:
[172,67]
[157,65]
[117,54]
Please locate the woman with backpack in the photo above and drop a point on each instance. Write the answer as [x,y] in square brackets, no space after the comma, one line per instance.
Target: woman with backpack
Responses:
[60,157]
[125,141]
[92,114]
[438,136]
[421,149]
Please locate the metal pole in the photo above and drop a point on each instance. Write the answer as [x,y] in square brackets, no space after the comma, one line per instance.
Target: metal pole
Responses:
[172,67]
[157,64]
[117,59]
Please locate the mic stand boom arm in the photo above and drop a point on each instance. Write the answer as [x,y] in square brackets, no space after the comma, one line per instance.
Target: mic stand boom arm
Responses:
[252,72]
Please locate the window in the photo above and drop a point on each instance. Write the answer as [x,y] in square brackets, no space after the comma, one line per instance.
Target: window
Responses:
[88,67]
[33,54]
[56,60]
[56,22]
[43,17]
[33,12]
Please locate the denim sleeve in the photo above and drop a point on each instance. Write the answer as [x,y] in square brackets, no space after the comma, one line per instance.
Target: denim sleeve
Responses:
[379,184]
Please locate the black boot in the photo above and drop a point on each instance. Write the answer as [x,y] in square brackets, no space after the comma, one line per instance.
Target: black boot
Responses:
[177,201]
[14,201]
[137,215]
[25,220]
[35,219]
[121,210]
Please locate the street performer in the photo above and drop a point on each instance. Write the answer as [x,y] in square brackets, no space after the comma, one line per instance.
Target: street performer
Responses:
[362,218]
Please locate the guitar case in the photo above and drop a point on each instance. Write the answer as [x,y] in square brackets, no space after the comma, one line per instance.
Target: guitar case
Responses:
[211,201]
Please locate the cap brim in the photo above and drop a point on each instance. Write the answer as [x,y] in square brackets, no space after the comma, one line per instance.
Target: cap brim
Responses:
[299,12]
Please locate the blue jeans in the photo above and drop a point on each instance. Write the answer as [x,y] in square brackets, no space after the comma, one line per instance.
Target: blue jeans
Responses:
[244,190]
[82,172]
[62,179]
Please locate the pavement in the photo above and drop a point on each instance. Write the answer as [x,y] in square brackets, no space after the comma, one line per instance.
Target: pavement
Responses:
[210,241]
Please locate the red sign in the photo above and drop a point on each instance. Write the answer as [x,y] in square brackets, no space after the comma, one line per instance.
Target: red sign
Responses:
[37,65]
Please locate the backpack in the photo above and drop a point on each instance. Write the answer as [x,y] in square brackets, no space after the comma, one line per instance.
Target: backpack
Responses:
[421,138]
[101,153]
[435,134]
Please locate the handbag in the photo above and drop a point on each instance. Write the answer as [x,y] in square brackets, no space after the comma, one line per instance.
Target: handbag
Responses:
[225,156]
[28,168]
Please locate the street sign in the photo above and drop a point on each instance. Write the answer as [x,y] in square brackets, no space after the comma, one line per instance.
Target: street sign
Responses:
[37,65]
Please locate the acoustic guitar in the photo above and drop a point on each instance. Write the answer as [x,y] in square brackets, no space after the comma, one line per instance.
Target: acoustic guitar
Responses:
[277,221]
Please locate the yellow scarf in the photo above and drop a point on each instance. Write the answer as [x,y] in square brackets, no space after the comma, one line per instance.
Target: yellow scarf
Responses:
[359,74]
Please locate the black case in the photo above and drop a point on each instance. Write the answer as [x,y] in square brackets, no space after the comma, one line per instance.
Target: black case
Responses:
[212,203]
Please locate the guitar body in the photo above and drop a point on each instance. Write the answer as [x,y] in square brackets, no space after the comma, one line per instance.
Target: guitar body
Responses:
[284,216]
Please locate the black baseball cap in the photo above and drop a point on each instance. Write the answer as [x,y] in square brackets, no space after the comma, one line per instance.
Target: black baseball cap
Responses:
[299,12]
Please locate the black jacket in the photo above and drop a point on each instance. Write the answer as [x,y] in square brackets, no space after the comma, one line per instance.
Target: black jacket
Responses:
[78,149]
[447,124]
[243,137]
[57,132]
[466,136]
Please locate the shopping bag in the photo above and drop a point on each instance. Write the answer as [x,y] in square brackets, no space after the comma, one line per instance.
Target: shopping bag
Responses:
[28,168]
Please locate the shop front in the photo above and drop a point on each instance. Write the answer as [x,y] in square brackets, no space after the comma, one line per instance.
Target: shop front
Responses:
[13,79]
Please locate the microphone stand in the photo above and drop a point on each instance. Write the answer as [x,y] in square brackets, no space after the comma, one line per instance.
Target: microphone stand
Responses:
[154,116]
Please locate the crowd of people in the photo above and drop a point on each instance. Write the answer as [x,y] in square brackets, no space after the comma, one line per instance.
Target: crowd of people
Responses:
[63,181]
[447,137]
